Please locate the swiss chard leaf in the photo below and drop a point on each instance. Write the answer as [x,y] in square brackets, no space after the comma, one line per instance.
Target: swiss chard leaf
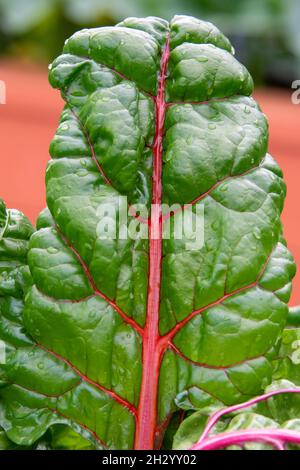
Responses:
[125,331]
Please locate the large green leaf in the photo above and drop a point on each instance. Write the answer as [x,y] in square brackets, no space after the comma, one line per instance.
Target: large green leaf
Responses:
[126,331]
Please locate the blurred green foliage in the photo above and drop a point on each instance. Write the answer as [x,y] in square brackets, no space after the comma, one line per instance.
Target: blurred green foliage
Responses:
[266,33]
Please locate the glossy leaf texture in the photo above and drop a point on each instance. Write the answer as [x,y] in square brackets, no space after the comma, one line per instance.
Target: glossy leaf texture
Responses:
[128,330]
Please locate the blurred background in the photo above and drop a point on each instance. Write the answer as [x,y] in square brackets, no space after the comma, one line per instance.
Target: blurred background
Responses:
[266,37]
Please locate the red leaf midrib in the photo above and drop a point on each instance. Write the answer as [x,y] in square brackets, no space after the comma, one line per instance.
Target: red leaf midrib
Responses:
[152,353]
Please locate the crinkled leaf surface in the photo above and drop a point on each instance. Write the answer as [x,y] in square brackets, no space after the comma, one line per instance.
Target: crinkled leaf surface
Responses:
[125,331]
[21,358]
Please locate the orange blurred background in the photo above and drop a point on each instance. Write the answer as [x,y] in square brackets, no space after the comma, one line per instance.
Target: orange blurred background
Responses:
[30,116]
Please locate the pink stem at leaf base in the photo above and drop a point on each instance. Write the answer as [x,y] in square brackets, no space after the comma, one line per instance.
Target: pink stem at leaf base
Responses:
[274,437]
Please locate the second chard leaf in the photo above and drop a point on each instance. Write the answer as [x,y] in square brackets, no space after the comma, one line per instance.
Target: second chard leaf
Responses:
[281,411]
[125,331]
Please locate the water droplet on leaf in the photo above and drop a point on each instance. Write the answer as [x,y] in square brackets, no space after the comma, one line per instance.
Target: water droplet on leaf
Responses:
[202,59]
[51,250]
[257,234]
[82,172]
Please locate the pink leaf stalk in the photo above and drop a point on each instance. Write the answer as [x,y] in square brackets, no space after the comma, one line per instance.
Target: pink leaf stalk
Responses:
[277,438]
